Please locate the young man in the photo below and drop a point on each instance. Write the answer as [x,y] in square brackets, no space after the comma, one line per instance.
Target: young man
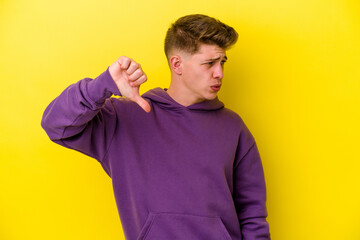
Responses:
[182,165]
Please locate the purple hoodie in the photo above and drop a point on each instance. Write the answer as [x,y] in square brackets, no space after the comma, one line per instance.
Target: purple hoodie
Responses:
[178,173]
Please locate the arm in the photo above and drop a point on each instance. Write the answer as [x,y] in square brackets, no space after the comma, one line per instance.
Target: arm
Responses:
[250,191]
[82,118]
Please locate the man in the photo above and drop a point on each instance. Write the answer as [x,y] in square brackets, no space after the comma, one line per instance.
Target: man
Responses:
[182,165]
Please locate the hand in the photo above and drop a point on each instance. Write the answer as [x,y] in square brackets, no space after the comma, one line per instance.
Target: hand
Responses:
[128,77]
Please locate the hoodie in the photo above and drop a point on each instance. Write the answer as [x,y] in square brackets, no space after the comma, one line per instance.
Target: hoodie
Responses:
[178,173]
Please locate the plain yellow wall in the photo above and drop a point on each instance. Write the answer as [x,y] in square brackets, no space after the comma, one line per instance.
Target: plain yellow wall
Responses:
[293,77]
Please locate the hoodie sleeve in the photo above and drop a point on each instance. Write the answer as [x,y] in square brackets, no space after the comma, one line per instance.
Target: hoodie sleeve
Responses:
[83,118]
[250,190]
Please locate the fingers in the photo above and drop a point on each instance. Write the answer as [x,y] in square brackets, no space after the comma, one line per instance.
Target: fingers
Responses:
[136,76]
[129,77]
[142,103]
[128,64]
[124,62]
[132,67]
[137,79]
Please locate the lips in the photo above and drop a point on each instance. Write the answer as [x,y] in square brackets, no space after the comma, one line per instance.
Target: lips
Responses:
[216,87]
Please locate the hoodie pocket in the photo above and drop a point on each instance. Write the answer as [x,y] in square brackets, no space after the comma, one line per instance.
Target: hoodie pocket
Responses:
[171,226]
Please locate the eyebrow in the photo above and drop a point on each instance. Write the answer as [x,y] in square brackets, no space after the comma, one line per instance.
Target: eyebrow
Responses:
[216,59]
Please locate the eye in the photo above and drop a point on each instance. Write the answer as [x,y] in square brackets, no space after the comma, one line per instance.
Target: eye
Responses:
[210,63]
[223,62]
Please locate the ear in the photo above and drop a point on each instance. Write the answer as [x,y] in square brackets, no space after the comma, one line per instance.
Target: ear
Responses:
[176,64]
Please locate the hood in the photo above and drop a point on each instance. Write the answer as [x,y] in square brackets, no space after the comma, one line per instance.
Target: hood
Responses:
[161,97]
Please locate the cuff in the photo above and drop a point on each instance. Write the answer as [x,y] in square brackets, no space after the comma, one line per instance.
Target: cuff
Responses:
[102,87]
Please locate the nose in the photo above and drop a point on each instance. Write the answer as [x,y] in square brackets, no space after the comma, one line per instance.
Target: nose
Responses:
[218,72]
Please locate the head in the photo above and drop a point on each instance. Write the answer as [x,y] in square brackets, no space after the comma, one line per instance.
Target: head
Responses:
[195,46]
[190,31]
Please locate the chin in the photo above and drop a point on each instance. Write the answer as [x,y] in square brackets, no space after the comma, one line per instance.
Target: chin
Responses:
[211,97]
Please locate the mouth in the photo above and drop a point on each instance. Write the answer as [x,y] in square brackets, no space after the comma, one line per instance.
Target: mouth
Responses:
[216,87]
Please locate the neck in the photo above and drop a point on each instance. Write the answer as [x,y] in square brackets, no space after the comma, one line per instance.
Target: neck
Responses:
[181,95]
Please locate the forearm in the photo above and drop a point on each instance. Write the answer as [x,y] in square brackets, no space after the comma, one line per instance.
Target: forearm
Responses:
[69,113]
[250,196]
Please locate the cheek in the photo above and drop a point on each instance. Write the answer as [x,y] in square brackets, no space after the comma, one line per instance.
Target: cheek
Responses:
[197,77]
[192,75]
[202,73]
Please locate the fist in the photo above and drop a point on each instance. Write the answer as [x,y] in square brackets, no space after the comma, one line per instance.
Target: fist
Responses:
[128,76]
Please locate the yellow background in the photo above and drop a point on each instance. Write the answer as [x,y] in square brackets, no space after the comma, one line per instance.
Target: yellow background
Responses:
[293,77]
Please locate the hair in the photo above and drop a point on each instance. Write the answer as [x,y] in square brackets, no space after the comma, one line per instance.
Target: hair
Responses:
[188,32]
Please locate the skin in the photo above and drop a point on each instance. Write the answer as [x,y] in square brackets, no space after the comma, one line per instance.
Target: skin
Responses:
[194,77]
[128,76]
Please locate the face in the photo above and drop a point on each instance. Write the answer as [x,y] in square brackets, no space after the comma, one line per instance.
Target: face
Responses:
[202,72]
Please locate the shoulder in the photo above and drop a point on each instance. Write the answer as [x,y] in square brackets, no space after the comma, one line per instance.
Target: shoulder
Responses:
[245,139]
[233,118]
[235,121]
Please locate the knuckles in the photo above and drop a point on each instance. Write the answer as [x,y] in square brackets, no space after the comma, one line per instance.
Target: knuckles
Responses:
[132,69]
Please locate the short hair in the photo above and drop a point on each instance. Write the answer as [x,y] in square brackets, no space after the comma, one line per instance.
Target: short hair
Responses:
[188,32]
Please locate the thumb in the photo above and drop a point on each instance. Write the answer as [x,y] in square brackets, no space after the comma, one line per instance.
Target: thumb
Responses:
[142,103]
